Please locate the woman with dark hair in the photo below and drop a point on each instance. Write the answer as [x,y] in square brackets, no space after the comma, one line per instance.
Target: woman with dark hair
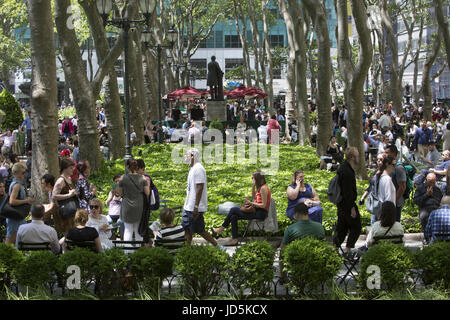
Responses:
[272,124]
[384,187]
[64,189]
[301,192]
[85,190]
[387,226]
[130,188]
[261,195]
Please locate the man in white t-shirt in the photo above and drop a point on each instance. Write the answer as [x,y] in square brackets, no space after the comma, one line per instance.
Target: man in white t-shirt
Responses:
[196,202]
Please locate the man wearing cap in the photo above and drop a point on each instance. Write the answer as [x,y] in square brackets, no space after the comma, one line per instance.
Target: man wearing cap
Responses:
[423,136]
[196,202]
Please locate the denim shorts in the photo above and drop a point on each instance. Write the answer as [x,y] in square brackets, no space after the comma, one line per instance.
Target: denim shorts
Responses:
[189,224]
[12,226]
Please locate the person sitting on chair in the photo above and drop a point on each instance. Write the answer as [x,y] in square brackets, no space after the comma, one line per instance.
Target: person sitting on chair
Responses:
[386,226]
[37,231]
[427,197]
[169,231]
[82,233]
[304,227]
[301,192]
[256,210]
[439,221]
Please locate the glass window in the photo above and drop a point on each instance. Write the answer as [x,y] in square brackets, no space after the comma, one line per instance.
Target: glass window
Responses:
[231,63]
[200,65]
[276,40]
[232,41]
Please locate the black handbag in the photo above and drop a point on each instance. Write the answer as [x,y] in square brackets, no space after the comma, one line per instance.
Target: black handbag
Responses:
[68,207]
[14,212]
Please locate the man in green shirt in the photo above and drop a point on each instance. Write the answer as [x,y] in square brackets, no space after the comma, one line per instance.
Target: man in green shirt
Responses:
[303,227]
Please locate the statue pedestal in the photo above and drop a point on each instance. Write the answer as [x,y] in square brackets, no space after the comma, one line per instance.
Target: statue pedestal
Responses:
[216,110]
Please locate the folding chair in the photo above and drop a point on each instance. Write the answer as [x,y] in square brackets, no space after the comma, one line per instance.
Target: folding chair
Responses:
[178,210]
[128,245]
[351,261]
[393,239]
[81,244]
[26,246]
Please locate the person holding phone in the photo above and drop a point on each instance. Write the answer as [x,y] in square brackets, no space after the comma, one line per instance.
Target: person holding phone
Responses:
[98,221]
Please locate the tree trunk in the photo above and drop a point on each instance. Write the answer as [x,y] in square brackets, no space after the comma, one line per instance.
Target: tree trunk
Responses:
[242,36]
[256,44]
[140,76]
[325,128]
[113,107]
[150,78]
[354,76]
[137,117]
[269,60]
[396,81]
[43,95]
[300,74]
[290,94]
[443,27]
[426,86]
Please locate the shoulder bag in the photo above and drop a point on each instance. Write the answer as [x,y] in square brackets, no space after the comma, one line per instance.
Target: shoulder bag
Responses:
[19,212]
[68,207]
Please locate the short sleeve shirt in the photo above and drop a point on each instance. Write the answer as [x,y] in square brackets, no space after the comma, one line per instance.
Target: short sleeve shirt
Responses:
[301,229]
[84,234]
[400,176]
[197,175]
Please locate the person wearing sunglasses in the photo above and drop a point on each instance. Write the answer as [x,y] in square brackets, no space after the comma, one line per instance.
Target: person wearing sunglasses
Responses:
[100,222]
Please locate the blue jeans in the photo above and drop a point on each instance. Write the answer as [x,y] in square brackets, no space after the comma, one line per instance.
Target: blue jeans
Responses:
[236,214]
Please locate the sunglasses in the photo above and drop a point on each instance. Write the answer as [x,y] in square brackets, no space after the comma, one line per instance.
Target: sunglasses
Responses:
[94,207]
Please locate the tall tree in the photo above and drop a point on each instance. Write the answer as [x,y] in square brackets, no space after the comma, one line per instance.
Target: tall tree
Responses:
[240,19]
[85,93]
[13,52]
[300,72]
[290,94]
[354,75]
[318,14]
[426,86]
[113,107]
[396,81]
[43,95]
[443,26]
[269,86]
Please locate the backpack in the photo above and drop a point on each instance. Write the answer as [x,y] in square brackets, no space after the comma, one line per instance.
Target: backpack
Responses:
[334,190]
[373,203]
[410,172]
[154,195]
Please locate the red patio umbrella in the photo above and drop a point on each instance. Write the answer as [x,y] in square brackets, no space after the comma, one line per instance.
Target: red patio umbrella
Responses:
[252,92]
[186,92]
[237,93]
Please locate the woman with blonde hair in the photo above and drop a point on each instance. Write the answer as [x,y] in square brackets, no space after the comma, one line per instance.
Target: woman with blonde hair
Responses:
[81,232]
[17,197]
[99,221]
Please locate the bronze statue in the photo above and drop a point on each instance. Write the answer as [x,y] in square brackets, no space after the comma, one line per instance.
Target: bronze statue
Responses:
[214,81]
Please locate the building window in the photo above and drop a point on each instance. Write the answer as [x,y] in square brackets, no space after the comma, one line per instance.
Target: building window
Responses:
[276,40]
[232,41]
[276,73]
[200,65]
[231,63]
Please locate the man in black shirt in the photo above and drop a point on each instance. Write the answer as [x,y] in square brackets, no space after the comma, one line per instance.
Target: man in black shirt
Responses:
[349,220]
[251,114]
[197,113]
[176,113]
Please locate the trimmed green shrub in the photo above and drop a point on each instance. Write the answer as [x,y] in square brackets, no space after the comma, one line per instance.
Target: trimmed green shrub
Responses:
[13,114]
[202,268]
[150,266]
[216,124]
[38,270]
[434,261]
[394,261]
[10,258]
[88,261]
[309,263]
[252,267]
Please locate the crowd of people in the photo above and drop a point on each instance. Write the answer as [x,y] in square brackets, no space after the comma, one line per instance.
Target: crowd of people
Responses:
[75,213]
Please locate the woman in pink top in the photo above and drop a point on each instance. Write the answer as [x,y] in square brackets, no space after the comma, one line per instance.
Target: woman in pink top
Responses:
[261,195]
[272,124]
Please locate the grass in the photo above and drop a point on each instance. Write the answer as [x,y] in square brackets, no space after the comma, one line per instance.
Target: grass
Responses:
[231,182]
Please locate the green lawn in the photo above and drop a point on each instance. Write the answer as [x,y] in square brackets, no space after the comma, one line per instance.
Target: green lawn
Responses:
[231,182]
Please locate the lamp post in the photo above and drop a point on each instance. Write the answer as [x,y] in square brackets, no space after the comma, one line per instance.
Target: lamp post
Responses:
[104,8]
[145,38]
